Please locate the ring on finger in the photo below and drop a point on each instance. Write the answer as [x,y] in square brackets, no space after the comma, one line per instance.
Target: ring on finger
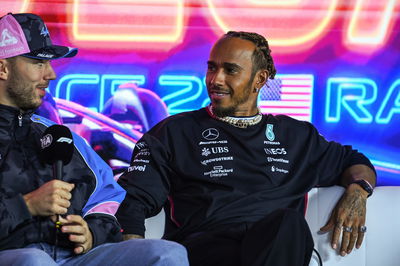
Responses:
[363,229]
[347,229]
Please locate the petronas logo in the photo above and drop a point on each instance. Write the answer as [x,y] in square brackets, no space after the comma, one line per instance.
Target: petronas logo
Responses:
[269,133]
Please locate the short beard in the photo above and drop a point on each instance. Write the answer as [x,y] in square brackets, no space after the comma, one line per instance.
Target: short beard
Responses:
[222,112]
[230,111]
[21,96]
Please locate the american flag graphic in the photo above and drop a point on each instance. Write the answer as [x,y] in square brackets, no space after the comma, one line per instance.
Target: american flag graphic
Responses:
[289,95]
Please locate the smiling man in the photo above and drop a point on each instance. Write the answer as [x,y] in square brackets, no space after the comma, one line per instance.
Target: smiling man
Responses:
[44,220]
[233,181]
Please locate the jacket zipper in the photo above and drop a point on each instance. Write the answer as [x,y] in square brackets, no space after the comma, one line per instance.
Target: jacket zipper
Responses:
[20,119]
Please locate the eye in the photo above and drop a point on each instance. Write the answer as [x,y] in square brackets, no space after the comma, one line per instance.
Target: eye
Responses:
[210,68]
[231,70]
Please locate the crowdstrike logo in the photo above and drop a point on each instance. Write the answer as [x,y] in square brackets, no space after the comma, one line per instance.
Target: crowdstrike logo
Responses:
[210,134]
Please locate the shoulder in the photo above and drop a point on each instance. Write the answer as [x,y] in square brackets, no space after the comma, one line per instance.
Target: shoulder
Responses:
[179,121]
[289,122]
[292,127]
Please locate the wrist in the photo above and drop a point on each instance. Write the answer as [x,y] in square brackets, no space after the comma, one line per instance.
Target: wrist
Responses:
[366,188]
[27,199]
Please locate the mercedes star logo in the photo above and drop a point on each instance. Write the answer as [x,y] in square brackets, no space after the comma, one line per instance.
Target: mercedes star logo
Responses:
[210,134]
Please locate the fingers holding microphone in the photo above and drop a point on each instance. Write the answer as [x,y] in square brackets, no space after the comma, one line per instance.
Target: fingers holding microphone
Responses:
[52,198]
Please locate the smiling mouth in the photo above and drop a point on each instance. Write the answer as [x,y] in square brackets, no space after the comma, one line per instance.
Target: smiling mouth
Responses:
[219,93]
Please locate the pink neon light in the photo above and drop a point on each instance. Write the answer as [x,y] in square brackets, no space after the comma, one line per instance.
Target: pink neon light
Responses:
[63,104]
[15,6]
[370,22]
[394,171]
[295,28]
[126,22]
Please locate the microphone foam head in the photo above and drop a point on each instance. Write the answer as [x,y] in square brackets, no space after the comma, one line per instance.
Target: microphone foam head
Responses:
[57,144]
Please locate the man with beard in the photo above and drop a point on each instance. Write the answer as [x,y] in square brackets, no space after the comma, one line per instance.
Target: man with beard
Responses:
[43,220]
[233,181]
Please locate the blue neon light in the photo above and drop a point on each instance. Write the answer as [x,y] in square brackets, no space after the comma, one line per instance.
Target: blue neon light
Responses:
[353,94]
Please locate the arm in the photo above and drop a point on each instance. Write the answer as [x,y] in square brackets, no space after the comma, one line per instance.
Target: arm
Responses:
[350,212]
[99,211]
[146,185]
[50,199]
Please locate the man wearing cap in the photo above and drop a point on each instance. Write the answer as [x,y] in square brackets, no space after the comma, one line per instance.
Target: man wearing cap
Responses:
[32,201]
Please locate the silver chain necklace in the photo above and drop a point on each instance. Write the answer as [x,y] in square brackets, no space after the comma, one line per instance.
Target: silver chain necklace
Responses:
[241,122]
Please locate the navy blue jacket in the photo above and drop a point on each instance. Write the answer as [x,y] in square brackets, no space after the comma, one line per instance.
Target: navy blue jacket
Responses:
[96,195]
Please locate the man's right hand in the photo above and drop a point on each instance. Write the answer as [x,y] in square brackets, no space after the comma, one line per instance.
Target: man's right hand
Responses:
[50,199]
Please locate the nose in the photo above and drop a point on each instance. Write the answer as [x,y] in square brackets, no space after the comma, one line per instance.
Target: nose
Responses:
[50,74]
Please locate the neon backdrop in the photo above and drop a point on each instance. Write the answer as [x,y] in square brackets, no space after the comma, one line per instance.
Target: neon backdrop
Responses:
[338,61]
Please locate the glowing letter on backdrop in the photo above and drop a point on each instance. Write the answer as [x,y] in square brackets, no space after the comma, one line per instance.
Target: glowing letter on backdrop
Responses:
[14,6]
[186,89]
[369,24]
[129,21]
[390,105]
[288,23]
[65,84]
[352,94]
[109,84]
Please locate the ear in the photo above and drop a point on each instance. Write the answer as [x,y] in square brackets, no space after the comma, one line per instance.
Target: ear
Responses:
[3,69]
[261,78]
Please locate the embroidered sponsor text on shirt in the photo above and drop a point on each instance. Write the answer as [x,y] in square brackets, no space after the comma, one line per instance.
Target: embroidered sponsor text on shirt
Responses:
[272,142]
[213,142]
[140,168]
[144,152]
[218,172]
[273,151]
[141,145]
[219,159]
[214,150]
[279,160]
[276,169]
[140,161]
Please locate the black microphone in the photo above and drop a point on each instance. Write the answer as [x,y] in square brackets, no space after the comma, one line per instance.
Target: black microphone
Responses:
[57,148]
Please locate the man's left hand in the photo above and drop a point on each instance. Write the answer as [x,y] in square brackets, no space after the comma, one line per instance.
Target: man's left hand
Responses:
[348,216]
[79,233]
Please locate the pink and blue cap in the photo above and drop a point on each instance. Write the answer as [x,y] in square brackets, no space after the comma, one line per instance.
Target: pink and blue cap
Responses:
[26,35]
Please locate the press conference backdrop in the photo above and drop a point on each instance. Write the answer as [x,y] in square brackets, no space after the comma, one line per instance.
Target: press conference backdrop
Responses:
[338,63]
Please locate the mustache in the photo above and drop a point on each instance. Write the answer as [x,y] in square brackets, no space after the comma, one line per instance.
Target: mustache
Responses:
[43,85]
[218,89]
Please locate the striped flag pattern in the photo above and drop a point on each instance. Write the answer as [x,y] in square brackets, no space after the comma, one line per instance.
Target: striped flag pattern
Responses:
[289,95]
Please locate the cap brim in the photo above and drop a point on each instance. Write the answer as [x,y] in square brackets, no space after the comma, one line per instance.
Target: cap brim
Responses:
[52,52]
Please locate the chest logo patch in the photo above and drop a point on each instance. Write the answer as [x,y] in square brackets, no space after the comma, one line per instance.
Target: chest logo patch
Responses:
[210,134]
[269,133]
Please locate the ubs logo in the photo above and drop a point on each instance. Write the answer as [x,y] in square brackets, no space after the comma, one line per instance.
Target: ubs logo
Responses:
[210,134]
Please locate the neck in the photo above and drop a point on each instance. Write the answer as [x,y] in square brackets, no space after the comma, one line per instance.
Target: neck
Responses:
[241,122]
